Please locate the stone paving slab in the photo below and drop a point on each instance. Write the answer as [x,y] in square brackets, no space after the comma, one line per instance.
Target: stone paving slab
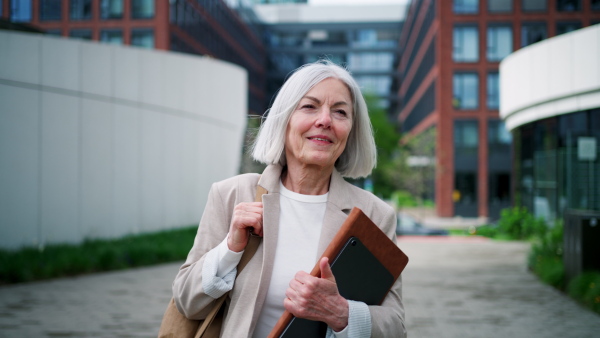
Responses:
[453,287]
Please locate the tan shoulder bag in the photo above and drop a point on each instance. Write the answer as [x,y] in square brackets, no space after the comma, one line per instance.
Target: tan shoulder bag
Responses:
[176,325]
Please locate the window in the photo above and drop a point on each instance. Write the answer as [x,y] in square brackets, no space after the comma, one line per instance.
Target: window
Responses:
[379,85]
[112,36]
[111,9]
[465,44]
[499,6]
[80,9]
[370,61]
[142,9]
[20,10]
[466,141]
[493,91]
[596,5]
[50,10]
[466,6]
[466,134]
[532,33]
[568,5]
[465,88]
[499,42]
[332,38]
[535,5]
[566,27]
[498,135]
[142,38]
[374,38]
[85,34]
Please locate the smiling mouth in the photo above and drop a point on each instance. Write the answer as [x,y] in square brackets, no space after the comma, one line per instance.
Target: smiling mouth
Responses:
[320,139]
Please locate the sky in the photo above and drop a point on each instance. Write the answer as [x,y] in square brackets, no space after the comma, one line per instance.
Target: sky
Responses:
[356,2]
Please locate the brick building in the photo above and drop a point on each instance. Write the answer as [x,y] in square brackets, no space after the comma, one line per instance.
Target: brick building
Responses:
[449,81]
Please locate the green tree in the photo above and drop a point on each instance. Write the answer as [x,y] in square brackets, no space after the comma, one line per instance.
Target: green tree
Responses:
[393,172]
[390,160]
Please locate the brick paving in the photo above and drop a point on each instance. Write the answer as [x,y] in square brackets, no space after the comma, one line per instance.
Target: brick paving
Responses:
[453,287]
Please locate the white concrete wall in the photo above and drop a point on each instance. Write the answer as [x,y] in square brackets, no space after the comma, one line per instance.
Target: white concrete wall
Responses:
[556,76]
[99,141]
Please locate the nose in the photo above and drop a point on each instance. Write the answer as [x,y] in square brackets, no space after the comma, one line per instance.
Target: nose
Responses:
[324,118]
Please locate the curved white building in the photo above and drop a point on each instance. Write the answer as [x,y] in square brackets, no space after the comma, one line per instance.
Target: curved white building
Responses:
[99,141]
[550,100]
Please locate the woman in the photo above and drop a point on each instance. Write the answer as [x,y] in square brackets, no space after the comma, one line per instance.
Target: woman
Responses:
[317,131]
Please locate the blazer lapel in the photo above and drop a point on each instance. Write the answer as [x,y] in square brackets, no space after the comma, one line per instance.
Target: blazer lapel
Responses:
[339,205]
[270,181]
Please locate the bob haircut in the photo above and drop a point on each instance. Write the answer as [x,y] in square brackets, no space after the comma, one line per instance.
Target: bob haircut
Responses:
[360,155]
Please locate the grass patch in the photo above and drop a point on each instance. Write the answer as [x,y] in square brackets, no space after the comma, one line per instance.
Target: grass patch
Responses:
[54,261]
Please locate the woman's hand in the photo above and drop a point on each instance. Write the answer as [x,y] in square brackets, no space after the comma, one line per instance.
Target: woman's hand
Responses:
[317,298]
[246,217]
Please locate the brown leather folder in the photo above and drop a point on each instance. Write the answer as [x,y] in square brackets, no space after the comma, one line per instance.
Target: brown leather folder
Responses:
[358,244]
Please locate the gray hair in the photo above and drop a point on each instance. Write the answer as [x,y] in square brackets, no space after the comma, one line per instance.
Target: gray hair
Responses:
[360,155]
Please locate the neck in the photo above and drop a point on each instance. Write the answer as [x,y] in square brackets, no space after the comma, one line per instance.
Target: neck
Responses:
[307,180]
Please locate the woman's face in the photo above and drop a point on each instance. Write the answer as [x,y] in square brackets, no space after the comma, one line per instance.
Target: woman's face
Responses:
[320,125]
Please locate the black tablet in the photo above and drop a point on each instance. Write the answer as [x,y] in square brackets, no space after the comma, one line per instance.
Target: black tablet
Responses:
[359,276]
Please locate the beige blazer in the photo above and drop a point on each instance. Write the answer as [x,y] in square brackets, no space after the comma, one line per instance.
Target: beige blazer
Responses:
[250,289]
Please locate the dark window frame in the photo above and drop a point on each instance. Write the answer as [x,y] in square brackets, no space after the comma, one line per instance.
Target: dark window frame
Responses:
[50,10]
[533,24]
[457,7]
[136,5]
[511,10]
[525,10]
[487,39]
[135,31]
[466,25]
[456,103]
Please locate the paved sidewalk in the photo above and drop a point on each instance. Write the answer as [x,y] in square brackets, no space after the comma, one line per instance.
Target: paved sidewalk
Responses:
[452,288]
[474,287]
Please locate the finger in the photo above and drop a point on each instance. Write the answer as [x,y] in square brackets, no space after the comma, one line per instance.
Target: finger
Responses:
[302,277]
[326,272]
[253,206]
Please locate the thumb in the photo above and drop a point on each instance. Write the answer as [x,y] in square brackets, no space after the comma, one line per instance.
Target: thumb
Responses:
[326,272]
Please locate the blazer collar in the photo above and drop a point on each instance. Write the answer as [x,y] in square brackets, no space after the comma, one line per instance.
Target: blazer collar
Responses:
[270,178]
[339,189]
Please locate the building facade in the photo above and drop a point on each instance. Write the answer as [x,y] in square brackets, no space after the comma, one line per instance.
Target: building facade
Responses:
[551,103]
[102,141]
[449,81]
[362,38]
[205,27]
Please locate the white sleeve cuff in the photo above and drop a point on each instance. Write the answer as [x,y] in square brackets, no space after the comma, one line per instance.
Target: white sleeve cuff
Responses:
[219,270]
[359,322]
[228,260]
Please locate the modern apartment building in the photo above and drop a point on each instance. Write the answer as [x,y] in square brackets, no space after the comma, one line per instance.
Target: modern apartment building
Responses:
[449,81]
[363,38]
[208,27]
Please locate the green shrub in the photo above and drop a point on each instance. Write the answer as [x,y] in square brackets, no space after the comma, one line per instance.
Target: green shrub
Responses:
[586,289]
[486,231]
[550,269]
[403,198]
[518,223]
[429,203]
[30,264]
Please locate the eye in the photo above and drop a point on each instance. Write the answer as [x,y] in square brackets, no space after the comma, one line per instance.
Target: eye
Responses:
[341,112]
